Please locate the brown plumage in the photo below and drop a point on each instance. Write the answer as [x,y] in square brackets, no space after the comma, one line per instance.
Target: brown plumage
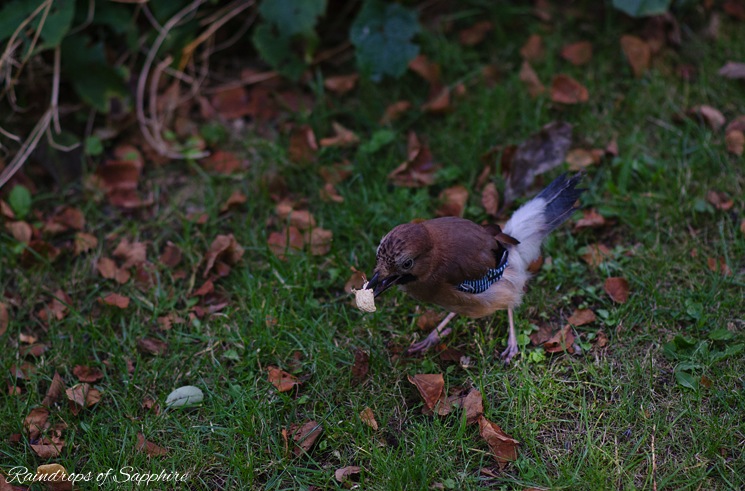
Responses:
[471,269]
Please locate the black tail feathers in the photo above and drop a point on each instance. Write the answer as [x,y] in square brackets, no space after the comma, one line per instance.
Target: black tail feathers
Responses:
[560,197]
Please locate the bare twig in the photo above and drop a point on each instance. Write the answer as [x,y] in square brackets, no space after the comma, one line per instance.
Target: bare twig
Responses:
[54,104]
[28,146]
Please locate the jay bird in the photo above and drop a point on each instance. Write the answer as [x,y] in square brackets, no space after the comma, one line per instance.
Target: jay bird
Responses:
[470,269]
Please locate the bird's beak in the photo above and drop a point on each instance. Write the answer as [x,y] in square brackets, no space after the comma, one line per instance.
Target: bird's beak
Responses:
[378,285]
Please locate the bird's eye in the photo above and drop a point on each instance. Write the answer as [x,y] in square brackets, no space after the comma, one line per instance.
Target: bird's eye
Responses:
[408,264]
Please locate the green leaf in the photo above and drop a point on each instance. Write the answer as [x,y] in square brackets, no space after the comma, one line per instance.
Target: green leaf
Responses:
[721,335]
[58,22]
[642,8]
[93,146]
[382,34]
[276,50]
[686,379]
[20,201]
[187,395]
[378,140]
[293,17]
[13,14]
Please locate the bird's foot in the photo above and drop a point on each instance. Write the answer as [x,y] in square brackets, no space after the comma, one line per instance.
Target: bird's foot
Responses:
[433,339]
[512,350]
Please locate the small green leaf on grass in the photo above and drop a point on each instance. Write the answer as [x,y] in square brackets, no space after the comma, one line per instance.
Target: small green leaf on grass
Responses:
[20,201]
[721,335]
[378,140]
[188,395]
[686,379]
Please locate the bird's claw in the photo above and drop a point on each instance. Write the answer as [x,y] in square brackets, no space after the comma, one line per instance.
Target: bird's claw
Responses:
[431,340]
[512,350]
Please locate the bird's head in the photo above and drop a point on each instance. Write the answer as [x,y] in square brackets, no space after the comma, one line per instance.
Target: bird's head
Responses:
[403,256]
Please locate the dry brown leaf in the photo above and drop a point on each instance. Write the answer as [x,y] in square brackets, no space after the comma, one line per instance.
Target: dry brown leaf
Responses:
[580,317]
[287,240]
[718,267]
[530,79]
[419,168]
[341,84]
[453,201]
[20,231]
[221,162]
[355,281]
[343,137]
[735,141]
[719,200]
[232,102]
[737,124]
[69,218]
[596,254]
[320,241]
[601,340]
[361,365]
[55,390]
[302,219]
[580,158]
[282,380]
[303,145]
[108,269]
[132,253]
[24,371]
[48,449]
[473,405]
[4,318]
[368,417]
[490,199]
[152,346]
[562,340]
[733,69]
[439,102]
[712,116]
[566,90]
[503,446]
[149,448]
[84,242]
[590,219]
[428,320]
[56,308]
[305,436]
[637,53]
[87,374]
[345,473]
[533,50]
[394,111]
[428,70]
[35,350]
[236,199]
[206,288]
[578,54]
[6,211]
[475,34]
[36,422]
[430,387]
[223,249]
[37,252]
[171,256]
[83,395]
[115,300]
[617,289]
[329,194]
[55,477]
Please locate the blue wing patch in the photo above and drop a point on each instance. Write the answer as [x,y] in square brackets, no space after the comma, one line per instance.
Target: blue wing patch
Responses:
[482,284]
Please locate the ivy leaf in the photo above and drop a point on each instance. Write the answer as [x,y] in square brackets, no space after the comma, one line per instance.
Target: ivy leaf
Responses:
[642,8]
[292,17]
[382,34]
[57,23]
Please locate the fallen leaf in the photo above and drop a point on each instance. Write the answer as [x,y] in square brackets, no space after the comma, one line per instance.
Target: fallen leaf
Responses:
[341,84]
[54,476]
[566,90]
[6,211]
[48,449]
[345,473]
[580,158]
[596,254]
[368,417]
[221,162]
[580,317]
[320,241]
[562,340]
[735,141]
[473,405]
[108,269]
[286,240]
[503,446]
[712,116]
[737,124]
[617,289]
[601,340]
[68,218]
[305,436]
[419,168]
[152,346]
[439,102]
[343,137]
[475,34]
[490,199]
[428,70]
[719,200]
[186,395]
[394,111]
[533,50]
[55,390]
[578,54]
[531,80]
[87,374]
[430,387]
[236,199]
[84,242]
[20,231]
[590,219]
[206,288]
[57,308]
[36,422]
[303,146]
[453,201]
[224,249]
[539,153]
[171,256]
[302,219]
[721,267]
[232,102]
[115,300]
[119,179]
[24,371]
[83,395]
[4,318]
[282,380]
[329,194]
[132,253]
[149,448]
[637,53]
[733,70]
[361,365]
[428,320]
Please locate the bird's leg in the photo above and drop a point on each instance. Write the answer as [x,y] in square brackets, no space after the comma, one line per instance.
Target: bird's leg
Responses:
[512,348]
[434,337]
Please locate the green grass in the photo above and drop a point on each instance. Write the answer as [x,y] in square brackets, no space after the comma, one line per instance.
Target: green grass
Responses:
[601,420]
